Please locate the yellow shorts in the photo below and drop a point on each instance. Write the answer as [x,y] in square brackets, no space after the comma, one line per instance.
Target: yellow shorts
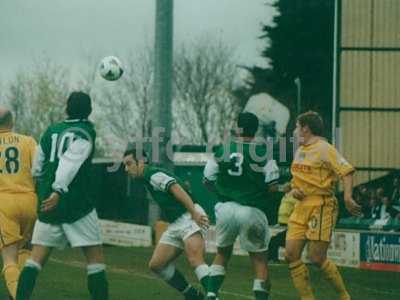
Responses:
[313,219]
[17,218]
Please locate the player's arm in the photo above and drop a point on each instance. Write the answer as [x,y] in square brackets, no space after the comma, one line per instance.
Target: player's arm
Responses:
[167,184]
[38,162]
[68,166]
[210,175]
[351,205]
[271,172]
[342,168]
[181,196]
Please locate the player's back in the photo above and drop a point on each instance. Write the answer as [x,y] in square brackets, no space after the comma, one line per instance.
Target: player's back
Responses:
[77,202]
[17,152]
[241,176]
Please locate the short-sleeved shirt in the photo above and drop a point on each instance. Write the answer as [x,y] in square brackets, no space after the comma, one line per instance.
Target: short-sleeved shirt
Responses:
[158,182]
[316,168]
[17,153]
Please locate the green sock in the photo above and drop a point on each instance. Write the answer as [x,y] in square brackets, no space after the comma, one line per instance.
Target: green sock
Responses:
[98,285]
[202,273]
[178,281]
[261,289]
[27,279]
[217,276]
[261,295]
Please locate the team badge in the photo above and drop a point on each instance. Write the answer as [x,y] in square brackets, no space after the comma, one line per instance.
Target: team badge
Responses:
[313,222]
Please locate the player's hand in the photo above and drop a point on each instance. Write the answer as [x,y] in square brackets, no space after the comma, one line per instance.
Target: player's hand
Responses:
[352,207]
[50,203]
[298,194]
[201,220]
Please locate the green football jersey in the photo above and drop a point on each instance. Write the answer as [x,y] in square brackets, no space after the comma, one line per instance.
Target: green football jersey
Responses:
[158,182]
[242,171]
[76,202]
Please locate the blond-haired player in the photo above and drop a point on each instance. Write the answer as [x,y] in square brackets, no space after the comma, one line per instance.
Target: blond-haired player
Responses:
[315,169]
[17,198]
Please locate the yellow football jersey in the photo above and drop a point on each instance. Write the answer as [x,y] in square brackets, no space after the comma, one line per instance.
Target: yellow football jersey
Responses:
[17,152]
[316,168]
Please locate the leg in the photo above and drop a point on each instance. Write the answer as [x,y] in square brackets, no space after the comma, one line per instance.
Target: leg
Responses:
[262,284]
[27,280]
[298,270]
[96,272]
[11,271]
[194,249]
[217,271]
[162,264]
[255,239]
[318,256]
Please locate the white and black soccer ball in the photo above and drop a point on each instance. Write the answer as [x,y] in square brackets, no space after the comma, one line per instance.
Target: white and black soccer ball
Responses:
[110,68]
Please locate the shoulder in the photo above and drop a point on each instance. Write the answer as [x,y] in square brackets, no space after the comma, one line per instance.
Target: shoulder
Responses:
[159,178]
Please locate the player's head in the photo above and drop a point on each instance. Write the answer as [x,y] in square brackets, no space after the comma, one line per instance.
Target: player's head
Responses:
[6,118]
[247,125]
[309,124]
[79,105]
[135,161]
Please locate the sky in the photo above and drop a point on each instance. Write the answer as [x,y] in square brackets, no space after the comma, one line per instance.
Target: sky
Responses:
[69,31]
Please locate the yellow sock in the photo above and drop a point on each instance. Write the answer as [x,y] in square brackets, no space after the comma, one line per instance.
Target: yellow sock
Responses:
[23,256]
[11,275]
[333,276]
[301,280]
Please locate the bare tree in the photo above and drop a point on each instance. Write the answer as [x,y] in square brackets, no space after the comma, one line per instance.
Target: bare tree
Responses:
[204,105]
[37,97]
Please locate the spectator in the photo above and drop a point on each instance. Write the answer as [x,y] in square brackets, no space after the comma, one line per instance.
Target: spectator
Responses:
[396,192]
[361,196]
[374,205]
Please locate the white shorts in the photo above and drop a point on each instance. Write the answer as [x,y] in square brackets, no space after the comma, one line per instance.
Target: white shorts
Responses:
[83,232]
[249,223]
[183,227]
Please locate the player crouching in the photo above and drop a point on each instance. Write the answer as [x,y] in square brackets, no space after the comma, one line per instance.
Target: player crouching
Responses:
[188,224]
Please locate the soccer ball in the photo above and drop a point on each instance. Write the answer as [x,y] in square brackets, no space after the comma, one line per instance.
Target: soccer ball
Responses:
[110,68]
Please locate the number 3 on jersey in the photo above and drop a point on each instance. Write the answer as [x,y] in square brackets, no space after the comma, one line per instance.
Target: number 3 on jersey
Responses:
[236,168]
[59,146]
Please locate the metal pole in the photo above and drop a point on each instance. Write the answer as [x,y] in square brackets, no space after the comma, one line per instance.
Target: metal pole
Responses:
[297,81]
[163,77]
[335,70]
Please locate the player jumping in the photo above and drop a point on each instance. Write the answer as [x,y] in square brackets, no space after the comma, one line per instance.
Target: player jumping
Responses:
[241,175]
[186,231]
[66,212]
[315,169]
[17,199]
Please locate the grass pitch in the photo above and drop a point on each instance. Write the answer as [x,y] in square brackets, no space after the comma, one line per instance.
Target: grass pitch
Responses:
[64,277]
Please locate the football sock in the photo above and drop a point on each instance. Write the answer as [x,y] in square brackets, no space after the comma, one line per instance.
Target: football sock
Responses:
[23,256]
[27,280]
[97,281]
[301,280]
[179,282]
[261,289]
[202,273]
[217,276]
[333,276]
[11,275]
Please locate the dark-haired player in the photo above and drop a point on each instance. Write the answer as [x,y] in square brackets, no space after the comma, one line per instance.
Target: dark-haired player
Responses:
[186,231]
[66,213]
[316,167]
[241,175]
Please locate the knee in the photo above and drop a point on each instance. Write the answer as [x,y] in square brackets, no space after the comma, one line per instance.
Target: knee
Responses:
[195,258]
[154,266]
[290,256]
[317,259]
